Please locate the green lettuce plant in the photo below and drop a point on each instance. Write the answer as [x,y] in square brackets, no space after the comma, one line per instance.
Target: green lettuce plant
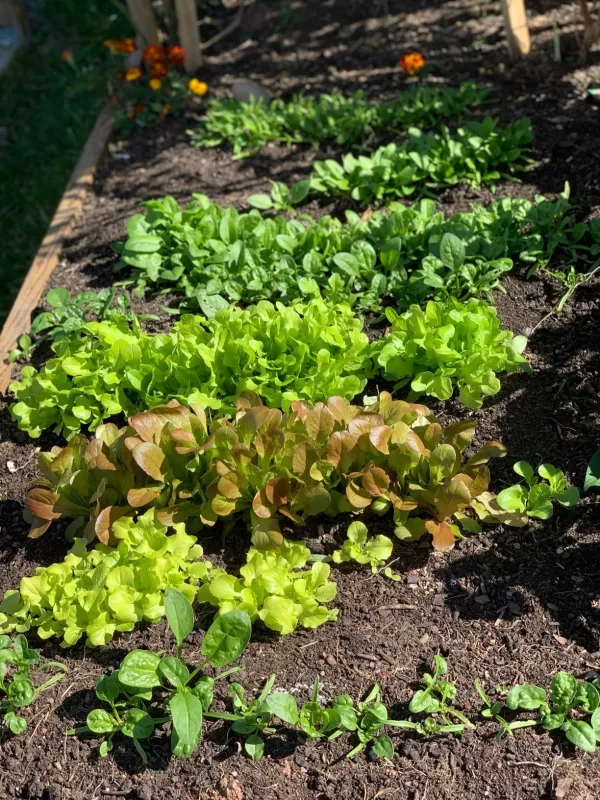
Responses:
[347,121]
[17,689]
[308,352]
[535,497]
[449,346]
[275,587]
[359,548]
[478,153]
[96,593]
[267,466]
[213,255]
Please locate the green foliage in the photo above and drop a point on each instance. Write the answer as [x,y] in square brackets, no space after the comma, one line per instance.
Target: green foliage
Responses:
[255,718]
[434,701]
[449,346]
[395,255]
[146,682]
[331,458]
[362,550]
[344,121]
[17,689]
[306,351]
[66,315]
[535,498]
[492,710]
[592,473]
[274,587]
[95,593]
[46,137]
[564,709]
[480,153]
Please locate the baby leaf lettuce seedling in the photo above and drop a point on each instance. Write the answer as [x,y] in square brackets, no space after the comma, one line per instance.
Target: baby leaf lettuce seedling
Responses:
[131,690]
[17,690]
[535,499]
[568,701]
[357,547]
[253,719]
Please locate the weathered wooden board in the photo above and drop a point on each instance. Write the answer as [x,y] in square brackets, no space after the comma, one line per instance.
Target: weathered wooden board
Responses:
[48,255]
[517,30]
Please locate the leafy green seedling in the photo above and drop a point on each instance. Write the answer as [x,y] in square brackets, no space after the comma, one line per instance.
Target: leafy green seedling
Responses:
[255,718]
[535,498]
[66,315]
[492,711]
[282,197]
[371,716]
[17,690]
[183,699]
[357,547]
[432,700]
[568,702]
[318,722]
[592,473]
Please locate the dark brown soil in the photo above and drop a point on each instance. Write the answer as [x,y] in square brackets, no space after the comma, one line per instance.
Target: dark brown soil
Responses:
[504,606]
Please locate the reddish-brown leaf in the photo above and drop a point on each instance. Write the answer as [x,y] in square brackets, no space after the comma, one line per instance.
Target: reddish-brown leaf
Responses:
[339,445]
[380,436]
[40,503]
[278,491]
[261,505]
[229,485]
[441,534]
[319,421]
[357,496]
[375,480]
[141,497]
[150,459]
[105,519]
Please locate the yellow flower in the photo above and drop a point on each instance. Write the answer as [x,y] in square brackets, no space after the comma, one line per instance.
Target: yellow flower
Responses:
[155,84]
[198,87]
[133,74]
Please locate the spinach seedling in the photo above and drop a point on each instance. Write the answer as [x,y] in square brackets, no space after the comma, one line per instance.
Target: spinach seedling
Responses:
[255,718]
[535,498]
[319,722]
[282,197]
[568,701]
[371,716]
[17,690]
[435,699]
[182,698]
[492,711]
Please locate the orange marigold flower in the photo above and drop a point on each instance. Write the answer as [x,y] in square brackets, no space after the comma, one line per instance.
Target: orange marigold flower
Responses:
[154,52]
[138,108]
[158,70]
[129,45]
[412,62]
[155,84]
[132,74]
[114,45]
[67,56]
[176,55]
[198,87]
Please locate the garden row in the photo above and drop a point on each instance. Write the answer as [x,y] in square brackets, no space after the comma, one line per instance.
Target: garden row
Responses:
[246,413]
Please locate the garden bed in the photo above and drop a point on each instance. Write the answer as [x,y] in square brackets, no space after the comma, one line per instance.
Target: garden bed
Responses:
[506,606]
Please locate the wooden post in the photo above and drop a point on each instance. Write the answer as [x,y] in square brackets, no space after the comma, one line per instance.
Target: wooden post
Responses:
[189,33]
[517,32]
[142,16]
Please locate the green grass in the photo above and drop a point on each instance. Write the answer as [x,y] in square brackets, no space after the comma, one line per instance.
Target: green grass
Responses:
[48,107]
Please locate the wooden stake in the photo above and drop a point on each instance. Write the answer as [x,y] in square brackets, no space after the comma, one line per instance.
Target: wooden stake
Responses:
[515,23]
[142,16]
[189,33]
[47,257]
